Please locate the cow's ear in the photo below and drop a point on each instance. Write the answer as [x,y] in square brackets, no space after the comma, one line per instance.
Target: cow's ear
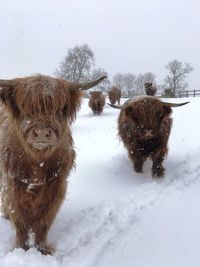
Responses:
[167,110]
[74,104]
[7,96]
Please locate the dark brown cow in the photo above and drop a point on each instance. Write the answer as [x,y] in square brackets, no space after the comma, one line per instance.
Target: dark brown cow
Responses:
[114,95]
[36,151]
[150,89]
[97,102]
[144,126]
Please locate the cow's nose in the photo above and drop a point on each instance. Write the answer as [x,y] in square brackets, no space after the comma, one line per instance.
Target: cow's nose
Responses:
[43,134]
[148,133]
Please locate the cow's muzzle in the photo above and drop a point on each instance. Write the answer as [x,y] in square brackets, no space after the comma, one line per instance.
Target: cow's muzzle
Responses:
[41,138]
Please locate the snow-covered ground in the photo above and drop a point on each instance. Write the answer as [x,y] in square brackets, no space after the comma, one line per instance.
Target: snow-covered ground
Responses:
[114,217]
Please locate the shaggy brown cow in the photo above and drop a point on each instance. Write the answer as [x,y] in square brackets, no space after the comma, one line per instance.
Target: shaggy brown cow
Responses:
[36,151]
[97,102]
[144,126]
[114,95]
[150,89]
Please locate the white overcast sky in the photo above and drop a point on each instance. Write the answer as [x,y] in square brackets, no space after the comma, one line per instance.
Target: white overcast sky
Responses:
[125,35]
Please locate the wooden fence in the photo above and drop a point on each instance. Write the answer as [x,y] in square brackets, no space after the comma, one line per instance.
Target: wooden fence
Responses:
[186,93]
[179,94]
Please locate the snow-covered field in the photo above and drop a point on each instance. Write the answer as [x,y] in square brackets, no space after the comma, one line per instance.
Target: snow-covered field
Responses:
[113,217]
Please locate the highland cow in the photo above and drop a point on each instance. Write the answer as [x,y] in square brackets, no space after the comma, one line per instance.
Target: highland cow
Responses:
[144,126]
[114,95]
[97,102]
[150,89]
[36,151]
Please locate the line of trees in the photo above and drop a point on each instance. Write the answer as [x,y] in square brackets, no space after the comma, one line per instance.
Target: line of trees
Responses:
[79,64]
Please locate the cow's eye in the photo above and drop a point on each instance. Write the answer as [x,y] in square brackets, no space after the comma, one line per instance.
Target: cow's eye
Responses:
[158,114]
[64,111]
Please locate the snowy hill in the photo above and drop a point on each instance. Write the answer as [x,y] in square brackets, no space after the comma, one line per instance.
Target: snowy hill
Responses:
[114,217]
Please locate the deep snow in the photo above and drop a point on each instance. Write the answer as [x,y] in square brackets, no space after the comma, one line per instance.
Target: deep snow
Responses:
[113,217]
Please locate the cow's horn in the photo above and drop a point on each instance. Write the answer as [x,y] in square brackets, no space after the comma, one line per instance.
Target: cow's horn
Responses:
[7,83]
[175,104]
[84,86]
[115,106]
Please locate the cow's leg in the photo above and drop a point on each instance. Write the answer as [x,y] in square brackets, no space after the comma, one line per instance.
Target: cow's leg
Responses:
[41,231]
[22,231]
[5,203]
[53,198]
[157,168]
[138,162]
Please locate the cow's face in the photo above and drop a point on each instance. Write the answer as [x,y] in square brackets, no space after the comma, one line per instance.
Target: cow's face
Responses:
[112,98]
[144,121]
[40,110]
[41,134]
[114,94]
[97,102]
[97,108]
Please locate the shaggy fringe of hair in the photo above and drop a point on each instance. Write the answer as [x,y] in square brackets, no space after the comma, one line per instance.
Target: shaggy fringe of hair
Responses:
[40,97]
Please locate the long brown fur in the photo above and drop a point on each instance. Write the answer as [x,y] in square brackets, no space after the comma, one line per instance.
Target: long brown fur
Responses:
[97,102]
[34,182]
[150,89]
[114,95]
[144,126]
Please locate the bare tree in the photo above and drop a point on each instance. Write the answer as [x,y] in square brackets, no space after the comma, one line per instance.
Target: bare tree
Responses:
[149,77]
[139,84]
[105,84]
[125,81]
[118,80]
[129,83]
[178,72]
[77,64]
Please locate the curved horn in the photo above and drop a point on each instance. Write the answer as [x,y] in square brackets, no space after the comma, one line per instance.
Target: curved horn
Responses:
[7,83]
[172,105]
[115,106]
[84,86]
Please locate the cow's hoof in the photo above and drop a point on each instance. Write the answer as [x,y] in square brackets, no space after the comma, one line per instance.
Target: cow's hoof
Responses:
[46,250]
[158,172]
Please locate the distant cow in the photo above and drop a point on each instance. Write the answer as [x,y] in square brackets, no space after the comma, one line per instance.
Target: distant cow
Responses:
[144,126]
[150,89]
[97,102]
[36,151]
[114,95]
